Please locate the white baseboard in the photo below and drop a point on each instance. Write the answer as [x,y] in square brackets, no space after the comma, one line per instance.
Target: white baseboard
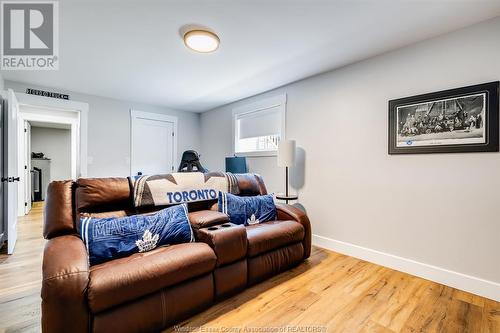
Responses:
[475,285]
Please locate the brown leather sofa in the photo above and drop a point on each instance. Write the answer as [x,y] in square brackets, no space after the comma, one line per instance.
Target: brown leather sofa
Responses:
[153,290]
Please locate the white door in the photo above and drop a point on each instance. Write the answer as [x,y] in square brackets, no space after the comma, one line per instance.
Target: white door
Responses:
[12,170]
[153,143]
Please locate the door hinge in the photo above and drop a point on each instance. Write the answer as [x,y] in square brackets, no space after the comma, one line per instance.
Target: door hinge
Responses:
[25,130]
[25,167]
[25,204]
[173,133]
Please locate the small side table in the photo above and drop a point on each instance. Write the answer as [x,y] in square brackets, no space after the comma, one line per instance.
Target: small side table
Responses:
[287,198]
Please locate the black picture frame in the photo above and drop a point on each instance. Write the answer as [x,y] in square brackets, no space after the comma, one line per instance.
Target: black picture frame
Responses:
[487,94]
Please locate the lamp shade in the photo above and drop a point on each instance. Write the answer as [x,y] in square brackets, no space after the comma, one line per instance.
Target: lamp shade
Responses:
[286,153]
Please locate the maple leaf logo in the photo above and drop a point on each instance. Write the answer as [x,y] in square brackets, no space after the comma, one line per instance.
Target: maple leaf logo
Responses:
[252,220]
[148,241]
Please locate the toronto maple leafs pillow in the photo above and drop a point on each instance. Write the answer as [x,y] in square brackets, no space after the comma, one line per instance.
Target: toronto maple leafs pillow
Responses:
[111,238]
[247,210]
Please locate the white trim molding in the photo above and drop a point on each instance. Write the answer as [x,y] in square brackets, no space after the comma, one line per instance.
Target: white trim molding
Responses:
[472,284]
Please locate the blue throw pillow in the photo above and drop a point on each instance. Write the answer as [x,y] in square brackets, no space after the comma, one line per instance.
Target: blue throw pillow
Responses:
[111,238]
[247,210]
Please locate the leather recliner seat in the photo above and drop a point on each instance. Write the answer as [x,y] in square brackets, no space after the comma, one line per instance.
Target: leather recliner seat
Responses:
[153,290]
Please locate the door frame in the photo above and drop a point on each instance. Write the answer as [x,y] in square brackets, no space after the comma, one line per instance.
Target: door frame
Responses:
[62,111]
[56,111]
[24,141]
[136,114]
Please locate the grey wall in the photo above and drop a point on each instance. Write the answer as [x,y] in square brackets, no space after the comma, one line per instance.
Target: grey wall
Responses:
[55,143]
[109,130]
[439,209]
[2,82]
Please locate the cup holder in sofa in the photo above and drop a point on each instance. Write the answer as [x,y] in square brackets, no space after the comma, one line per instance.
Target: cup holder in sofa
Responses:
[226,225]
[213,228]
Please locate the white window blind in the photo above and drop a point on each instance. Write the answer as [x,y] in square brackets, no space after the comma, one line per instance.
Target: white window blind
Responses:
[260,123]
[259,126]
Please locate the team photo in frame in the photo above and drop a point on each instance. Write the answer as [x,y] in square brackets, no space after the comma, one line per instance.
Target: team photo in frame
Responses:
[451,121]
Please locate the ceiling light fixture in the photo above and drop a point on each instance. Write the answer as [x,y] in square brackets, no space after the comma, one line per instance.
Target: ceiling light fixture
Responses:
[201,41]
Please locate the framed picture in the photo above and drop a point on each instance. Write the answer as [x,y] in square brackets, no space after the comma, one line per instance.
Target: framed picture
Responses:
[451,121]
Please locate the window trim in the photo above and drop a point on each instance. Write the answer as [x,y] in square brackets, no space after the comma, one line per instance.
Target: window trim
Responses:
[259,106]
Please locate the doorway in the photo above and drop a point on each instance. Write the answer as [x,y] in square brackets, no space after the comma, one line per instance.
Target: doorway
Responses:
[48,158]
[153,143]
[20,112]
[53,136]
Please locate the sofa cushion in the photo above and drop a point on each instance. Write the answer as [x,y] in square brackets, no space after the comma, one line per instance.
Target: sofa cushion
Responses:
[125,279]
[264,237]
[115,237]
[274,262]
[247,210]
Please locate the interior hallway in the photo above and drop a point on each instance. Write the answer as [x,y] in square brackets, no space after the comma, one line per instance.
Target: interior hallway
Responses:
[329,291]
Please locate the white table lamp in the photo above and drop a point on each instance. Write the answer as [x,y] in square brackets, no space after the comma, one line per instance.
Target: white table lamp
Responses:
[286,157]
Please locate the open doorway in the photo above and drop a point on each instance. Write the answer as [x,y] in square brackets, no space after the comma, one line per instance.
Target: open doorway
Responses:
[19,113]
[51,145]
[49,148]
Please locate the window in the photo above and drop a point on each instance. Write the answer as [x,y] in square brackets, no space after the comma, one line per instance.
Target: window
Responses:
[259,126]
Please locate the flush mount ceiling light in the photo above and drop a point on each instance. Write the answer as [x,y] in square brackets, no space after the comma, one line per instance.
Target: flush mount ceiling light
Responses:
[201,41]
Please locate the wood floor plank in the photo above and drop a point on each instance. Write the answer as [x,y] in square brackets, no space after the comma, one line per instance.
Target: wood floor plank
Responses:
[330,292]
[21,276]
[462,317]
[491,317]
[430,314]
[373,327]
[401,304]
[468,297]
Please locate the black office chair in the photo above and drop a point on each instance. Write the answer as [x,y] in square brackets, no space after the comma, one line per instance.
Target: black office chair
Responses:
[191,162]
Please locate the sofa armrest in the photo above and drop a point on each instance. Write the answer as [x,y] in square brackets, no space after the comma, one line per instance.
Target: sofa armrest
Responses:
[289,212]
[65,277]
[207,218]
[58,213]
[228,240]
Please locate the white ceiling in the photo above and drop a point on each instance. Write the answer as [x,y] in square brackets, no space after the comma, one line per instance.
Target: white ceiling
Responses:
[133,50]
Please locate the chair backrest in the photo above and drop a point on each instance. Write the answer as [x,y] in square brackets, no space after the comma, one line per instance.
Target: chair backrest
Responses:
[190,162]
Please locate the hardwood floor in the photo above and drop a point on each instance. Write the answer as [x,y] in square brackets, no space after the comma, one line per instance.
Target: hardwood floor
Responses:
[328,293]
[21,276]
